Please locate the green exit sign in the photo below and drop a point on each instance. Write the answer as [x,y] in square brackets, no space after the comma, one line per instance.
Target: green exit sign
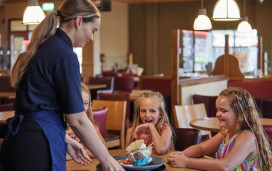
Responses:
[50,6]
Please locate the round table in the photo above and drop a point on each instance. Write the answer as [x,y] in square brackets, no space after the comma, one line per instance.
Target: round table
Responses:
[73,166]
[212,123]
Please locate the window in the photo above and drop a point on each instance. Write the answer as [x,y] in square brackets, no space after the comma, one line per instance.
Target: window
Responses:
[201,49]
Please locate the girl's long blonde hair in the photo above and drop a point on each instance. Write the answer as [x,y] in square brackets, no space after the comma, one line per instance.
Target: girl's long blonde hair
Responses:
[161,106]
[248,107]
[89,112]
[69,10]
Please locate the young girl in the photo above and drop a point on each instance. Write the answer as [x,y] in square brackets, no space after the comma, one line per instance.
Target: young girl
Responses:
[86,96]
[241,144]
[151,123]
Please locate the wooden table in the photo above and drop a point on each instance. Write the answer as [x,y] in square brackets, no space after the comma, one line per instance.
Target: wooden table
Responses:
[7,96]
[73,166]
[212,123]
[5,115]
[96,86]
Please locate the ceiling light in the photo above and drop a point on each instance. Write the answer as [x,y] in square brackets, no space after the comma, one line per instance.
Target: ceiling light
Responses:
[244,26]
[226,10]
[33,13]
[202,21]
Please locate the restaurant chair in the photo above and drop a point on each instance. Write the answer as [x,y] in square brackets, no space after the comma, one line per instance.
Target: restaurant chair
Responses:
[124,84]
[186,137]
[109,73]
[268,130]
[108,81]
[185,113]
[114,133]
[121,96]
[100,116]
[209,102]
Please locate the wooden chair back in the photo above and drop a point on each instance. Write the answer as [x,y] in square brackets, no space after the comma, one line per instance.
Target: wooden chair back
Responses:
[115,119]
[185,113]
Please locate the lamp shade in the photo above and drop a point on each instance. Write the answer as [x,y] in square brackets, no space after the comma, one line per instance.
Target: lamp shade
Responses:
[202,21]
[33,14]
[226,10]
[244,26]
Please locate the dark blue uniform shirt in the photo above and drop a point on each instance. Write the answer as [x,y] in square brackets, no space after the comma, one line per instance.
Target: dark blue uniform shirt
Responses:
[52,80]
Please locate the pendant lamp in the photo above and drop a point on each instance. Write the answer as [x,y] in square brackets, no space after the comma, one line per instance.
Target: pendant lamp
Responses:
[244,26]
[226,10]
[33,13]
[202,21]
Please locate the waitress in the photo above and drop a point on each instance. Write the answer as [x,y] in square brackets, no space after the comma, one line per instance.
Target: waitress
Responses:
[47,81]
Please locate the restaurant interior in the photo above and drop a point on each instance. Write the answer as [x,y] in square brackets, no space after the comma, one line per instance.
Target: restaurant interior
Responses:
[155,45]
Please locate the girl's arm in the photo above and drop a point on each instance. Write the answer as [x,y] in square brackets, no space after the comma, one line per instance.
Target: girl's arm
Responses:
[85,130]
[161,142]
[244,146]
[207,147]
[128,137]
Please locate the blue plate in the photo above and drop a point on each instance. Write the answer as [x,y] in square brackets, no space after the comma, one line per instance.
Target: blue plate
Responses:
[156,163]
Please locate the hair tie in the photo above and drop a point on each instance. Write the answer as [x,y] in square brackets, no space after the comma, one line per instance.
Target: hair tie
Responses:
[58,13]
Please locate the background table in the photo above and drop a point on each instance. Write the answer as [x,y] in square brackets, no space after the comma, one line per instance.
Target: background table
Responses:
[73,166]
[212,123]
[5,115]
[5,96]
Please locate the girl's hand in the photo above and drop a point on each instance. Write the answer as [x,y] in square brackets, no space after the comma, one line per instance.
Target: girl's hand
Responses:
[141,131]
[176,159]
[77,153]
[111,164]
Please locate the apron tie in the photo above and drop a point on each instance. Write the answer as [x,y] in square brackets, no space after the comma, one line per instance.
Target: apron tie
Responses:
[14,124]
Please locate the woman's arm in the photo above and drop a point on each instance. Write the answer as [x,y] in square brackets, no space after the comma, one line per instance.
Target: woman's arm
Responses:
[161,142]
[100,136]
[86,132]
[76,151]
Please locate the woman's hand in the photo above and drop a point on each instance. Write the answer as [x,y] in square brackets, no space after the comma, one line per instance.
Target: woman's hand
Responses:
[176,159]
[77,152]
[111,164]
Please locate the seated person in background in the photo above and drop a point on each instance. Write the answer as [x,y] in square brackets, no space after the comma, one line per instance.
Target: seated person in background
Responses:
[151,123]
[241,144]
[86,96]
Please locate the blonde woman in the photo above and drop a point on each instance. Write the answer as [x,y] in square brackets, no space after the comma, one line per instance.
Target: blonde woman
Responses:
[47,81]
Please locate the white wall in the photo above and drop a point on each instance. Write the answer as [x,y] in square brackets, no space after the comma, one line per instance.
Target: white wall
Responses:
[114,35]
[209,89]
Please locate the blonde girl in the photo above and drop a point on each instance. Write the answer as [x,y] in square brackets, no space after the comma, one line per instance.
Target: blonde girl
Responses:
[242,143]
[86,96]
[151,123]
[48,92]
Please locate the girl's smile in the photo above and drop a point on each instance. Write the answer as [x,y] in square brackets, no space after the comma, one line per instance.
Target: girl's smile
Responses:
[225,114]
[149,110]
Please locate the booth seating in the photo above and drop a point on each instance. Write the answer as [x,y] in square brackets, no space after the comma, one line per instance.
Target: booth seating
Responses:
[258,88]
[209,102]
[193,137]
